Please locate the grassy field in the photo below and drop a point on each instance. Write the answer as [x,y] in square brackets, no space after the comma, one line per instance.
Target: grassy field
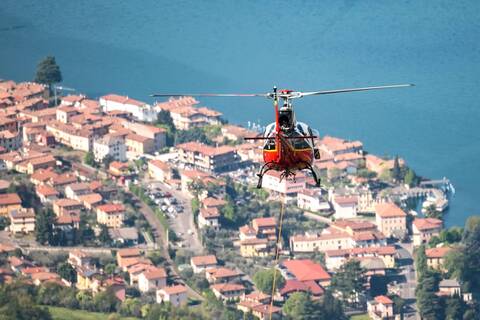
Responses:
[69,314]
[360,317]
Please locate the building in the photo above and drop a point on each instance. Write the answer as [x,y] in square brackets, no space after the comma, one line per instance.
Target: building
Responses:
[75,190]
[124,256]
[379,165]
[111,146]
[185,116]
[345,206]
[265,228]
[9,202]
[64,206]
[111,214]
[330,147]
[311,200]
[380,308]
[10,140]
[305,270]
[79,259]
[138,145]
[22,221]
[255,248]
[202,263]
[424,229]
[222,275]
[158,135]
[46,193]
[125,236]
[286,187]
[176,295]
[436,257]
[152,280]
[209,218]
[159,170]
[228,291]
[391,220]
[334,259]
[140,110]
[450,288]
[207,158]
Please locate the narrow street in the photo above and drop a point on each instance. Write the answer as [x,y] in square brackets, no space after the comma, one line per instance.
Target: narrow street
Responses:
[183,223]
[407,270]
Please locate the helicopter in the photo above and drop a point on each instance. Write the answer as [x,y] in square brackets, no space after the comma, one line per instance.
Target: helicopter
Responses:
[289,145]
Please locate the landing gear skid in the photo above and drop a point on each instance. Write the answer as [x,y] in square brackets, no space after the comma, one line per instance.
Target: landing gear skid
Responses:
[315,174]
[265,168]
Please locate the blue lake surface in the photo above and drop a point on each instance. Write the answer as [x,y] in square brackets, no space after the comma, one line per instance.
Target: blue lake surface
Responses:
[140,47]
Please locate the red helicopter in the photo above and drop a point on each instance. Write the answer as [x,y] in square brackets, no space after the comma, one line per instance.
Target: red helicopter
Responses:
[289,144]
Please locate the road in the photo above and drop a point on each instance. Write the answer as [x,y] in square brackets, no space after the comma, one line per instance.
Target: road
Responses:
[160,237]
[183,223]
[407,271]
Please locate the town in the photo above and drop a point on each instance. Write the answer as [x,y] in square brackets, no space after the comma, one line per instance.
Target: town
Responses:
[141,210]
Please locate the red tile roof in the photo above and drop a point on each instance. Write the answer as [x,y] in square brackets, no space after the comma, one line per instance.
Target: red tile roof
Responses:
[389,210]
[156,273]
[204,149]
[437,252]
[383,300]
[264,222]
[175,289]
[111,208]
[203,260]
[226,287]
[9,199]
[306,269]
[427,223]
[46,190]
[213,202]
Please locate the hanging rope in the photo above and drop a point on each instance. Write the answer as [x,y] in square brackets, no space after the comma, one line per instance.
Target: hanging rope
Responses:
[277,255]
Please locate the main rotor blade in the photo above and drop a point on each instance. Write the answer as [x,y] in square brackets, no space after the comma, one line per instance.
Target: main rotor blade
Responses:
[210,95]
[313,93]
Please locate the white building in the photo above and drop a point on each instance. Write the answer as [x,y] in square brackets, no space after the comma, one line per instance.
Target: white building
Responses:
[208,218]
[110,145]
[151,280]
[140,110]
[345,206]
[176,295]
[286,187]
[311,200]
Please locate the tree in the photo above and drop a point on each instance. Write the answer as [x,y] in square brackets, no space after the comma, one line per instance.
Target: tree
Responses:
[48,72]
[396,171]
[298,306]
[67,272]
[421,260]
[411,178]
[89,159]
[263,280]
[44,226]
[349,280]
[110,269]
[228,211]
[106,301]
[455,308]
[104,236]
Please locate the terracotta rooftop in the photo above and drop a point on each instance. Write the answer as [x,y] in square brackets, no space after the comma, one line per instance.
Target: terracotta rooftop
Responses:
[111,208]
[204,149]
[203,260]
[389,210]
[213,202]
[159,164]
[264,222]
[9,199]
[46,190]
[226,287]
[306,269]
[427,223]
[383,300]
[439,252]
[155,273]
[174,289]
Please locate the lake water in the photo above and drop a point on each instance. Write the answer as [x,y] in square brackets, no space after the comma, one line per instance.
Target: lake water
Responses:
[137,48]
